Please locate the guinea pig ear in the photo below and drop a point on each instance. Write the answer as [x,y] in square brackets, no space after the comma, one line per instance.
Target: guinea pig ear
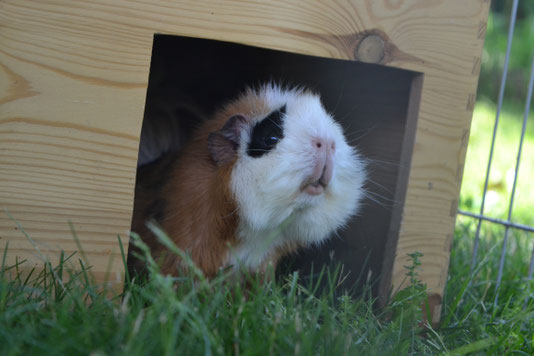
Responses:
[223,144]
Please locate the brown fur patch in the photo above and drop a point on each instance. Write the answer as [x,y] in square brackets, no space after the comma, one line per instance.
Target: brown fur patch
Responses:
[192,196]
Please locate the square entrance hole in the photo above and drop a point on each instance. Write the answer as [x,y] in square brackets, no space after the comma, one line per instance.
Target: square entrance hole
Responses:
[376,105]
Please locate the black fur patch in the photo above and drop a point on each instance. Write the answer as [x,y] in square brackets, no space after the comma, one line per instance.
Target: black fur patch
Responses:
[267,133]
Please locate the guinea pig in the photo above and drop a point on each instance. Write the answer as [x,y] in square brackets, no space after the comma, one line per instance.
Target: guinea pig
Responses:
[269,173]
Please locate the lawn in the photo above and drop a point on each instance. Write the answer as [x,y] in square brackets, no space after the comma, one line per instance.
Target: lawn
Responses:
[48,313]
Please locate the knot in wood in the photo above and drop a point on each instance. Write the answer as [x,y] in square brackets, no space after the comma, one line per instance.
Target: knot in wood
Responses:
[371,49]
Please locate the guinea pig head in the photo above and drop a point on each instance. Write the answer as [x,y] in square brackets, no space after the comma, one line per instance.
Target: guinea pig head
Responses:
[291,163]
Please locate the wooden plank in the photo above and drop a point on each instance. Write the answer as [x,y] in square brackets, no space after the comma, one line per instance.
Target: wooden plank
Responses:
[73,78]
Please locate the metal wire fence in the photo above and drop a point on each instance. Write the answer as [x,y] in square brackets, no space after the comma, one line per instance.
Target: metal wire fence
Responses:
[508,223]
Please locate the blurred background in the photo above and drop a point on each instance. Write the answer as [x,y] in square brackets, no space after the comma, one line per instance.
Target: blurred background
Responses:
[509,130]
[507,143]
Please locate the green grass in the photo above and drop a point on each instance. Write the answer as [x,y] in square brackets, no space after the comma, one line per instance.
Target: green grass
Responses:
[504,161]
[45,314]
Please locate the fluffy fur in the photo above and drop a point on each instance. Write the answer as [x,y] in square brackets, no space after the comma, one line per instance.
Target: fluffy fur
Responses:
[249,211]
[268,191]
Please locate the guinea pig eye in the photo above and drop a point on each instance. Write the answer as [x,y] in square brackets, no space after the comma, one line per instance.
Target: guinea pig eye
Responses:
[271,141]
[266,133]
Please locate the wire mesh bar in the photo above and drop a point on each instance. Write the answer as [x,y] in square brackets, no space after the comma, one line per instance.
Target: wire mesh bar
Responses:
[513,17]
[514,185]
[529,277]
[498,221]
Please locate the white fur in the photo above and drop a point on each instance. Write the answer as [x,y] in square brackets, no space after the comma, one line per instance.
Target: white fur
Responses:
[272,208]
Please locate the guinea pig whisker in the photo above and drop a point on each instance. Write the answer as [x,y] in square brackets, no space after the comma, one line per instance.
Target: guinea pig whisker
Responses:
[379,185]
[375,162]
[357,138]
[258,149]
[342,118]
[365,130]
[341,92]
[391,200]
[376,201]
[374,197]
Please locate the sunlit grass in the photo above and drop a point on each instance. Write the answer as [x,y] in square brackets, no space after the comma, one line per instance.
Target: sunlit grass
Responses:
[503,165]
[192,316]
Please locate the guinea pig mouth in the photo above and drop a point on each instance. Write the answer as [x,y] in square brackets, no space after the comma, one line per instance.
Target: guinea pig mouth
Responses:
[314,188]
[318,181]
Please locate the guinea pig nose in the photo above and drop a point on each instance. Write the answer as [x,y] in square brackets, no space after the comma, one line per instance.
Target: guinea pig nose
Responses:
[318,143]
[322,144]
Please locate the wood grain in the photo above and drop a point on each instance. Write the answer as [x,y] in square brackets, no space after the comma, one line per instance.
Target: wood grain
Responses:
[73,77]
